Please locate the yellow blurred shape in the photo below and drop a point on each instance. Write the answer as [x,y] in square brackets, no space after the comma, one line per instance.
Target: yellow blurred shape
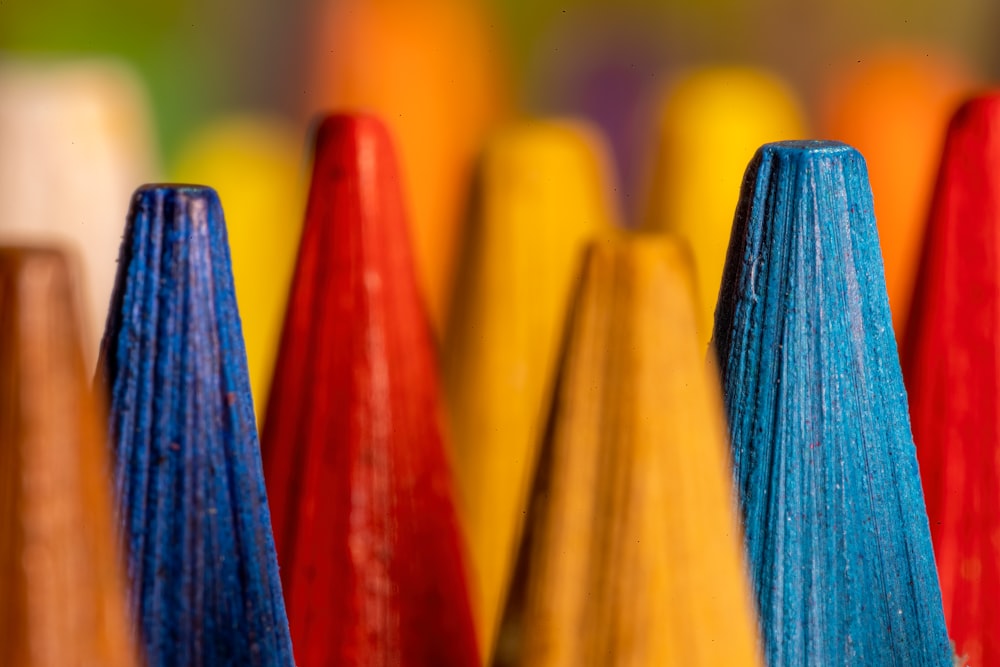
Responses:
[633,551]
[894,105]
[543,193]
[255,164]
[75,141]
[711,123]
[431,70]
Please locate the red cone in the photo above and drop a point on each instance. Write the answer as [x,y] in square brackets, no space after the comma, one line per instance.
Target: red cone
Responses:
[952,367]
[358,479]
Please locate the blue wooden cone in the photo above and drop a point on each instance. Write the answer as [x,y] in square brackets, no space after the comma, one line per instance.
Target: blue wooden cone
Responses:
[193,510]
[836,530]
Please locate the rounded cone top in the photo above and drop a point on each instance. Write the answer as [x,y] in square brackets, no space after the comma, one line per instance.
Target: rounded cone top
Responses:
[201,560]
[953,376]
[837,536]
[63,600]
[356,467]
[542,194]
[632,552]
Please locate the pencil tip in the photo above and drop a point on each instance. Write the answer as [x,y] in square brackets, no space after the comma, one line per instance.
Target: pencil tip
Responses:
[822,450]
[63,600]
[632,529]
[204,581]
[353,446]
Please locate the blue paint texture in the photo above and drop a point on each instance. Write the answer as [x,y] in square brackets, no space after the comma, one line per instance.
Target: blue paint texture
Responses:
[836,530]
[204,586]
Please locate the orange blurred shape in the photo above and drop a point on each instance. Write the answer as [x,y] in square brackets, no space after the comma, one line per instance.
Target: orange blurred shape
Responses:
[431,70]
[893,105]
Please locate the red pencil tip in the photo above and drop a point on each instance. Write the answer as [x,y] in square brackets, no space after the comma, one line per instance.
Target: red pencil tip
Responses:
[353,450]
[952,368]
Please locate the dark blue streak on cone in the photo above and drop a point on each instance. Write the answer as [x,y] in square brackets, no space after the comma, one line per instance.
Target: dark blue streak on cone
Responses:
[837,538]
[193,511]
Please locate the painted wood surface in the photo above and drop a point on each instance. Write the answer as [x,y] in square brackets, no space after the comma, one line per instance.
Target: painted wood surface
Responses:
[357,471]
[710,120]
[952,369]
[434,71]
[204,584]
[633,553]
[255,163]
[543,192]
[836,532]
[62,597]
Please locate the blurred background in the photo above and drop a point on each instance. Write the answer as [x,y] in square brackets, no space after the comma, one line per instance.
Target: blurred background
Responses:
[223,92]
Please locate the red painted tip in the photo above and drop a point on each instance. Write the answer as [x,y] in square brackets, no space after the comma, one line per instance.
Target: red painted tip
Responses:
[354,459]
[952,368]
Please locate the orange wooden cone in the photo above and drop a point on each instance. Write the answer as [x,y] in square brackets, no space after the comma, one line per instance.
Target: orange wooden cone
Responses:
[431,70]
[62,602]
[893,106]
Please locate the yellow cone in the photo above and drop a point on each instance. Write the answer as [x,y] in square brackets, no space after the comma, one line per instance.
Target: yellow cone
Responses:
[75,141]
[543,194]
[255,164]
[633,553]
[712,121]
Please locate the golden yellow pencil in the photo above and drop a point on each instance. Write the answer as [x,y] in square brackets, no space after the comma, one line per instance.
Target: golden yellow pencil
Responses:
[711,120]
[633,552]
[543,193]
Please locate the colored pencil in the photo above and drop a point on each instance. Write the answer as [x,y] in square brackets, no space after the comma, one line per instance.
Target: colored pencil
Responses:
[203,574]
[953,378]
[836,530]
[711,119]
[354,451]
[633,554]
[62,597]
[543,192]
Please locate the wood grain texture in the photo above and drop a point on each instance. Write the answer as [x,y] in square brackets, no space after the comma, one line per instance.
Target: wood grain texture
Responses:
[62,598]
[952,368]
[433,70]
[633,552]
[354,451]
[193,510]
[543,192]
[893,105]
[710,120]
[837,536]
[255,164]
